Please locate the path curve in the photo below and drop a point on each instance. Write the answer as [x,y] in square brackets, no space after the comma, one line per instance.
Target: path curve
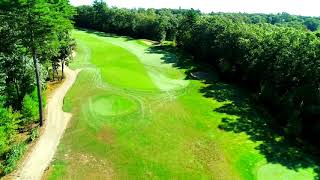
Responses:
[42,153]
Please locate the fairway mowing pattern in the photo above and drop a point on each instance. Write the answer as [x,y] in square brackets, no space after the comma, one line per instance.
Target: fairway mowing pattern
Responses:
[163,75]
[136,117]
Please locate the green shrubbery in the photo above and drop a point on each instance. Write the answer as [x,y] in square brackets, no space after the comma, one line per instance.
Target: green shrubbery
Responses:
[9,123]
[13,156]
[35,133]
[29,109]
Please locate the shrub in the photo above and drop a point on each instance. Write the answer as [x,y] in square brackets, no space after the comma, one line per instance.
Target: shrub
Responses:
[35,133]
[8,125]
[13,156]
[4,142]
[29,108]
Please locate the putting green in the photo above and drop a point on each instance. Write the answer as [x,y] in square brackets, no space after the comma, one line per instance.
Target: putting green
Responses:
[281,172]
[135,116]
[112,105]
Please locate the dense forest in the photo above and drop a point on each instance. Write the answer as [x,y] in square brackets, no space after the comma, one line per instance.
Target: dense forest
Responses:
[34,40]
[275,56]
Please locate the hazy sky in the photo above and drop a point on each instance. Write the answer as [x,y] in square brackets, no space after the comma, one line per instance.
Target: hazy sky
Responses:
[298,7]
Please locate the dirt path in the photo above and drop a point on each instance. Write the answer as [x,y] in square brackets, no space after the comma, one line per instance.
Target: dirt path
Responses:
[56,122]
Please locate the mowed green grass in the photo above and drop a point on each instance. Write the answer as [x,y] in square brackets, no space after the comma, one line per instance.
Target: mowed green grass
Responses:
[135,117]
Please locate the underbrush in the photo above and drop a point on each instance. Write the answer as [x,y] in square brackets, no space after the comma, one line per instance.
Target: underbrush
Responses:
[13,156]
[35,133]
[20,129]
[15,153]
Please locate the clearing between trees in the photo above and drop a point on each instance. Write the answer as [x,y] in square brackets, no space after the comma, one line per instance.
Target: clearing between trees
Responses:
[137,115]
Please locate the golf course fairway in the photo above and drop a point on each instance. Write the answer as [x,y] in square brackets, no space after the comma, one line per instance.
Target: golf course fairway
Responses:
[137,116]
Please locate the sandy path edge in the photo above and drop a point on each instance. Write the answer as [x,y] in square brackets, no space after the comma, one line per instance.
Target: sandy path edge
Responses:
[56,122]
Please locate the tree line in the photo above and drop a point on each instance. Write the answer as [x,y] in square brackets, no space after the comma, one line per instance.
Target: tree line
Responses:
[276,56]
[34,39]
[162,24]
[280,19]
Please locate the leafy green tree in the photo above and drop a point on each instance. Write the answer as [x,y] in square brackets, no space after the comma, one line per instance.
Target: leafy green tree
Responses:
[9,123]
[38,24]
[18,78]
[100,14]
[312,24]
[84,17]
[29,108]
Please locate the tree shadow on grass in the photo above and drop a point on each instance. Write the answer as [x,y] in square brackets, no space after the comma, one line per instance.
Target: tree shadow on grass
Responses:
[257,124]
[176,58]
[252,120]
[103,34]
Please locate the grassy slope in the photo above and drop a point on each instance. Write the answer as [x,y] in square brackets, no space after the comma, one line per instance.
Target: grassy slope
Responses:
[135,117]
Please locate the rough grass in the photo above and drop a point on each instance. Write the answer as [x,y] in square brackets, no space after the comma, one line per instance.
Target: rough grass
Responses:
[136,117]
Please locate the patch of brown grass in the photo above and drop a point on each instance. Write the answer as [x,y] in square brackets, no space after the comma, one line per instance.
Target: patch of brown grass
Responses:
[106,135]
[86,166]
[208,155]
[52,86]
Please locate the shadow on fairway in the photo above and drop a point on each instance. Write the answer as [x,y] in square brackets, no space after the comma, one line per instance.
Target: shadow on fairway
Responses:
[171,56]
[251,120]
[103,34]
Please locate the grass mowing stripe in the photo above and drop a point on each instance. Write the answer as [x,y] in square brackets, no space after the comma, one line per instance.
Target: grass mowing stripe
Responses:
[118,66]
[162,74]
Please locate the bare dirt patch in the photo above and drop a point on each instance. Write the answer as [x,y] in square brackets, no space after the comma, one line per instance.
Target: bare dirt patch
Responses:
[106,135]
